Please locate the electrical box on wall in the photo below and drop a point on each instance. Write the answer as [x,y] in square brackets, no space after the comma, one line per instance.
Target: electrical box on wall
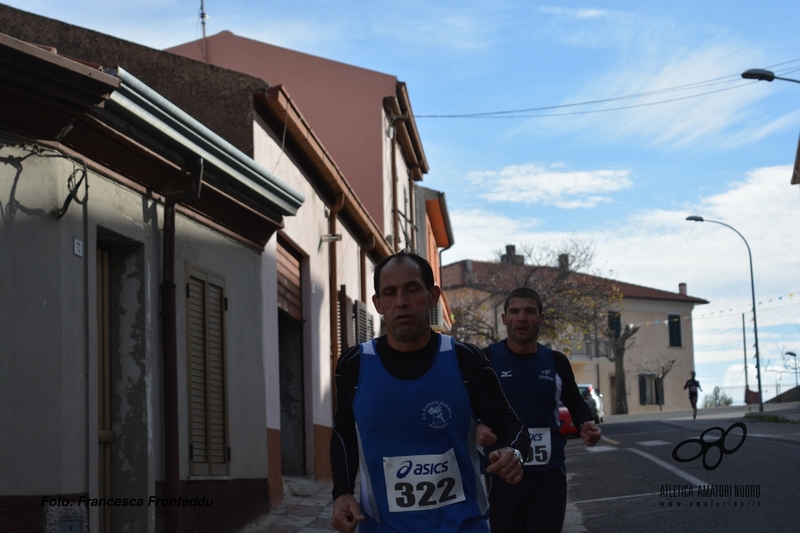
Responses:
[77,247]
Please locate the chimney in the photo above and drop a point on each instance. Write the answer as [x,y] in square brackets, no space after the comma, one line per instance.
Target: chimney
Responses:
[563,262]
[511,256]
[682,288]
[471,275]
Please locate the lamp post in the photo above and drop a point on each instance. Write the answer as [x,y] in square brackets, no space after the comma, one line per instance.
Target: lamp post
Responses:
[768,75]
[764,75]
[796,391]
[753,293]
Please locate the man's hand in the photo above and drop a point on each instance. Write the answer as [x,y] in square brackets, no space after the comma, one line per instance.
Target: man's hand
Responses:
[486,436]
[506,465]
[590,433]
[346,514]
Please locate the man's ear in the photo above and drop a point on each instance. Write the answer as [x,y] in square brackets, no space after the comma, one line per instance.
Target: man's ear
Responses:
[377,303]
[503,318]
[433,296]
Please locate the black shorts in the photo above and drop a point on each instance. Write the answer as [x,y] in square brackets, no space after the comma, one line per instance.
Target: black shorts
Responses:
[535,504]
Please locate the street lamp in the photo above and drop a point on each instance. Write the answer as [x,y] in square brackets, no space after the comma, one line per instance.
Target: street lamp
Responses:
[796,391]
[753,293]
[763,75]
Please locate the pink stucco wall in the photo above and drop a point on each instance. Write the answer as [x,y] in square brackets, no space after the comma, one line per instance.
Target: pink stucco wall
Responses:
[342,103]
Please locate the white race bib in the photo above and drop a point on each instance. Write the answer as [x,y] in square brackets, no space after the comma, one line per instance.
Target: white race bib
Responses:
[540,442]
[417,482]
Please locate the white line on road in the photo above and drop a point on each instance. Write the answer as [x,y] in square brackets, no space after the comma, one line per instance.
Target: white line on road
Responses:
[652,443]
[677,471]
[619,497]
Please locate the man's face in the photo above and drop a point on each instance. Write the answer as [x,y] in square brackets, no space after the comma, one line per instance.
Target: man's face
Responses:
[404,302]
[522,319]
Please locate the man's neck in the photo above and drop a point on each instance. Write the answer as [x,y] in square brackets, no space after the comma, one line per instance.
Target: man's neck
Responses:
[520,348]
[409,346]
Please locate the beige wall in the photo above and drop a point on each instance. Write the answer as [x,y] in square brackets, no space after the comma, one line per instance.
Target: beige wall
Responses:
[49,329]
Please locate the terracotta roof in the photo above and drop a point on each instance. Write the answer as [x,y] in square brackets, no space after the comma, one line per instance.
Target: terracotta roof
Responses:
[492,276]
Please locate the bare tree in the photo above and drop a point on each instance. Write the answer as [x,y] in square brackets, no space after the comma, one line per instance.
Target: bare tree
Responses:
[575,294]
[475,316]
[619,345]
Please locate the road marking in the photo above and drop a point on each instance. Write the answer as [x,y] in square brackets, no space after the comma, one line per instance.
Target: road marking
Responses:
[612,441]
[677,471]
[619,497]
[652,443]
[601,449]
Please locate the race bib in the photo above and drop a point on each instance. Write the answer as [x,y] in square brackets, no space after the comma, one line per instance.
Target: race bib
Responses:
[540,442]
[417,482]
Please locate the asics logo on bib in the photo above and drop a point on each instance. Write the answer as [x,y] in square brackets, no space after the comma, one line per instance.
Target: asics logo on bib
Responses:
[421,469]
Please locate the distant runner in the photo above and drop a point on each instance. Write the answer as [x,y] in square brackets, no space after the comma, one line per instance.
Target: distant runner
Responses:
[693,385]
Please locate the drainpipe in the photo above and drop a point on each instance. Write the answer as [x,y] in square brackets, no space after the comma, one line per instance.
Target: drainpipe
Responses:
[334,301]
[169,327]
[395,209]
[395,216]
[411,213]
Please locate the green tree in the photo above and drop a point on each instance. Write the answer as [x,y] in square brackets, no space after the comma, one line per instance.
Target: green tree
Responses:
[717,398]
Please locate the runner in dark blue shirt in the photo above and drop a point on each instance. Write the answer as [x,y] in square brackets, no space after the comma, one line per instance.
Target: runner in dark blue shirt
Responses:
[692,384]
[535,379]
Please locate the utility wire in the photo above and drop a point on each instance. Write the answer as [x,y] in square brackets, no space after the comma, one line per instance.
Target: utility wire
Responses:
[707,83]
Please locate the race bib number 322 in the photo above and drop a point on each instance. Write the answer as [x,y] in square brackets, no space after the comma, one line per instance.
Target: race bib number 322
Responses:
[417,482]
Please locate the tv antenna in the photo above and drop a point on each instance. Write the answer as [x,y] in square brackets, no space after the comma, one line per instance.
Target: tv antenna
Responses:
[203,18]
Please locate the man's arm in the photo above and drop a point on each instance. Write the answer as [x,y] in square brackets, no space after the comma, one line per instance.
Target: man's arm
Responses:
[488,402]
[344,440]
[571,397]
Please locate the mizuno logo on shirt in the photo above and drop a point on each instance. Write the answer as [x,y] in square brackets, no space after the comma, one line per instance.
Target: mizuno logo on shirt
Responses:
[505,374]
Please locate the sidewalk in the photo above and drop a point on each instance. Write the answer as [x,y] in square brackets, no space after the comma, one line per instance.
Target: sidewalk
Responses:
[308,507]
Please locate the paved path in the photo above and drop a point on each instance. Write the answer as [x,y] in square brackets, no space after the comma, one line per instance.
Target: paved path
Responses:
[307,507]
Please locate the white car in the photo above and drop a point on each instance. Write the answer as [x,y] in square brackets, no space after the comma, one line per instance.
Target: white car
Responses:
[594,400]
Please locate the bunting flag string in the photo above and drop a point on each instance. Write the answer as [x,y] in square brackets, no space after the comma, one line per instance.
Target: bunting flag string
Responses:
[727,312]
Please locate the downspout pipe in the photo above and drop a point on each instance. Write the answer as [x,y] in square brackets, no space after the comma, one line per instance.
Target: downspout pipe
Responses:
[169,332]
[334,301]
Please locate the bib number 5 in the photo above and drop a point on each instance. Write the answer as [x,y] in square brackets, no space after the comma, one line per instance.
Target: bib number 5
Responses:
[540,442]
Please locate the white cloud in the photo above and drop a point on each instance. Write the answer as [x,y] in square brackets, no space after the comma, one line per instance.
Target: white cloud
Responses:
[573,13]
[660,249]
[532,183]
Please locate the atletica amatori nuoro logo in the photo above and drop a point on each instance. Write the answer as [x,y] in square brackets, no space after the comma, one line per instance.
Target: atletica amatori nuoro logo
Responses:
[437,414]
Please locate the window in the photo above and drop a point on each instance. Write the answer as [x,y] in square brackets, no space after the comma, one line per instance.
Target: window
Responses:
[364,328]
[209,452]
[675,331]
[615,324]
[651,389]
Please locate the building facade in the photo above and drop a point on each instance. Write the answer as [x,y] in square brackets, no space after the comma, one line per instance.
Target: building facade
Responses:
[658,358]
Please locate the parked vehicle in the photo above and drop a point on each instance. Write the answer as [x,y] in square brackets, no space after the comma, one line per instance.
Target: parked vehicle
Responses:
[594,400]
[567,427]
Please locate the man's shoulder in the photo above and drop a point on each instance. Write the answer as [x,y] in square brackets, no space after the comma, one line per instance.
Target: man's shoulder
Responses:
[468,352]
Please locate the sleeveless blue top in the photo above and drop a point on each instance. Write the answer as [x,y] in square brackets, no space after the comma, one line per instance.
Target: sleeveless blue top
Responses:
[418,450]
[533,388]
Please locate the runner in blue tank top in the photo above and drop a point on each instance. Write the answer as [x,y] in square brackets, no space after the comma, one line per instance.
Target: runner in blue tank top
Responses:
[406,412]
[535,379]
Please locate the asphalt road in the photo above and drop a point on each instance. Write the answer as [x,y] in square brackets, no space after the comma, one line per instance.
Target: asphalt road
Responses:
[630,481]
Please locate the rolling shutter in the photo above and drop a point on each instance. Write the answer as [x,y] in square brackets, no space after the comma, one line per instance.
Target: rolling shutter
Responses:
[290,294]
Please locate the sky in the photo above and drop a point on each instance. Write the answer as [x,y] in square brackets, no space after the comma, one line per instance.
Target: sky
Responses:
[608,122]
